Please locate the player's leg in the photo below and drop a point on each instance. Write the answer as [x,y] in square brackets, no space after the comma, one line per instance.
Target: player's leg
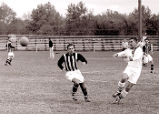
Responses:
[52,52]
[121,85]
[8,61]
[124,92]
[152,63]
[145,60]
[74,90]
[84,90]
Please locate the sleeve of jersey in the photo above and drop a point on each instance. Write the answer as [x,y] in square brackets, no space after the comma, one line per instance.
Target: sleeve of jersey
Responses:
[81,58]
[60,62]
[122,54]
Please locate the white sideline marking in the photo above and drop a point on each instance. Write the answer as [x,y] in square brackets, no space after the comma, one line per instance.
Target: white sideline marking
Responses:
[92,72]
[103,81]
[98,81]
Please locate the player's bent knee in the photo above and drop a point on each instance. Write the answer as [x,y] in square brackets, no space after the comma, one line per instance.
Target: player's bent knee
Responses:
[129,86]
[124,78]
[75,80]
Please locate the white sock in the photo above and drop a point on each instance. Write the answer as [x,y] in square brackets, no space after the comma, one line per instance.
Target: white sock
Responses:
[121,86]
[123,94]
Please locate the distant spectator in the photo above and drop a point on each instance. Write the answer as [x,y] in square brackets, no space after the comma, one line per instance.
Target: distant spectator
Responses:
[51,47]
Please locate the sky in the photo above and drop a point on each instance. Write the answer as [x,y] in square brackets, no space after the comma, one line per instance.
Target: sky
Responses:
[22,7]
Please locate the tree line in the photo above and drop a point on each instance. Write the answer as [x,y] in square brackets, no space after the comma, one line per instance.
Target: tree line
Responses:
[45,20]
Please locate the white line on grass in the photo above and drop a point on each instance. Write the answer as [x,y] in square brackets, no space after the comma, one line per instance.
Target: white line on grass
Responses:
[103,81]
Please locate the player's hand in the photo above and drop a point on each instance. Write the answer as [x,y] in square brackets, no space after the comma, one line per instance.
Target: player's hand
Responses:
[63,69]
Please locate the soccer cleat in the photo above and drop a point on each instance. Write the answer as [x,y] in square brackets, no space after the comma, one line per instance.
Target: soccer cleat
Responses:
[86,99]
[74,97]
[117,100]
[117,93]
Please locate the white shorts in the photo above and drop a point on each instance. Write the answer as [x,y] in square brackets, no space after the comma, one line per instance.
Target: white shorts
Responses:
[147,58]
[133,74]
[77,75]
[10,55]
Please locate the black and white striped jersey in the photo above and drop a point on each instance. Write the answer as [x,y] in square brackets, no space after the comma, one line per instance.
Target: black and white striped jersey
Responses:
[9,46]
[70,61]
[147,48]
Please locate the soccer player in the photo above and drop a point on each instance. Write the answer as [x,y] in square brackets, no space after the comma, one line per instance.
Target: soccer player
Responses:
[10,52]
[147,49]
[73,74]
[51,48]
[132,71]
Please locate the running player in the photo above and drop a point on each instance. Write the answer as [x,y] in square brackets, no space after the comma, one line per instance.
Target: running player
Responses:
[147,58]
[10,52]
[73,74]
[132,71]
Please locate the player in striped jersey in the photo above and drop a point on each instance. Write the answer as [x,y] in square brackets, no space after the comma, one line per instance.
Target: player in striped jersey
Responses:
[73,74]
[147,49]
[10,53]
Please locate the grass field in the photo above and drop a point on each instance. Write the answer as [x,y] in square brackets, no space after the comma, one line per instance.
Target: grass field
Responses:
[35,85]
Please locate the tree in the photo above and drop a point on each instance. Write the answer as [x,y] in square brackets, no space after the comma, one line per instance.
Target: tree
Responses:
[111,23]
[7,15]
[78,20]
[133,19]
[17,26]
[45,15]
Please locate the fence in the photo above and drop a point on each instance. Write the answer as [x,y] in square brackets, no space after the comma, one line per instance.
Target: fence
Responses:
[82,43]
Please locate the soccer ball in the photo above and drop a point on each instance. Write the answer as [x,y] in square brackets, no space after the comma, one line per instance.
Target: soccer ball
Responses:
[24,41]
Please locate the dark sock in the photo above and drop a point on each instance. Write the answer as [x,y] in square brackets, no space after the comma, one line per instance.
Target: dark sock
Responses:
[83,88]
[74,89]
[152,67]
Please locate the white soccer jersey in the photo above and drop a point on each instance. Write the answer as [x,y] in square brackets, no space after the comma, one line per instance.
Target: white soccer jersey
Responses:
[125,54]
[134,67]
[137,58]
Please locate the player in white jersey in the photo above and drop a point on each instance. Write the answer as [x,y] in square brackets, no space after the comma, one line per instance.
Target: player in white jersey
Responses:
[132,71]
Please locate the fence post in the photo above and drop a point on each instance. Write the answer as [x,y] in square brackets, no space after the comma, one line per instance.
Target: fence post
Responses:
[36,47]
[83,44]
[45,44]
[102,43]
[55,44]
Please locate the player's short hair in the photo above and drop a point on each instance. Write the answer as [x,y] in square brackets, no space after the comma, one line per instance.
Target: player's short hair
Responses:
[70,44]
[133,38]
[147,39]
